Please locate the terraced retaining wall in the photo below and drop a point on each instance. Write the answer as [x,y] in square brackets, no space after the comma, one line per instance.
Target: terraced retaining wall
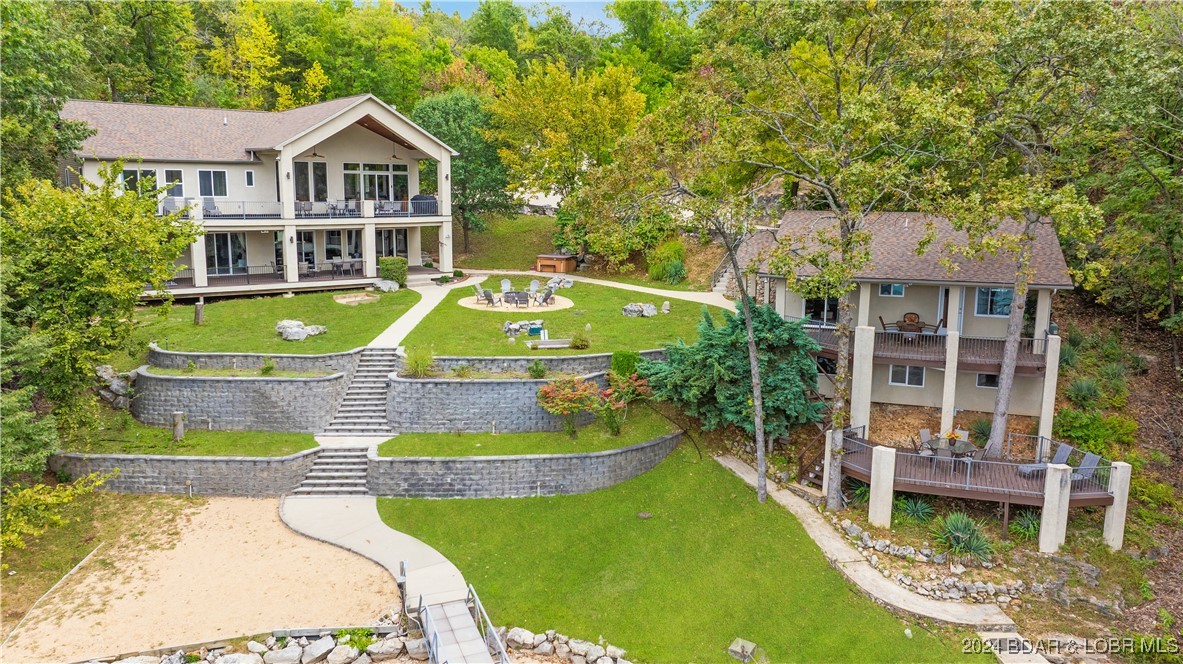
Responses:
[331,362]
[571,364]
[513,476]
[438,405]
[210,476]
[239,404]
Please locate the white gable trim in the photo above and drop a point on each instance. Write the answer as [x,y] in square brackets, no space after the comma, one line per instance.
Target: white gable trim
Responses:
[395,121]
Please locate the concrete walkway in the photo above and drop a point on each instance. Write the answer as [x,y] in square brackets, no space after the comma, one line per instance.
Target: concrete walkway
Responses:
[714,299]
[430,296]
[352,522]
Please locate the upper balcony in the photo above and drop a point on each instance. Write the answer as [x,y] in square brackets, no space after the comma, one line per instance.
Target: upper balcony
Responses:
[219,209]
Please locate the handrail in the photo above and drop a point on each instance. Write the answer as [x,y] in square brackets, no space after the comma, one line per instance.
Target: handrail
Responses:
[717,273]
[222,209]
[486,628]
[431,634]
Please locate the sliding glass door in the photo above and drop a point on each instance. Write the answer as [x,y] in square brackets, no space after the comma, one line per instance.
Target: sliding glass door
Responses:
[392,242]
[225,253]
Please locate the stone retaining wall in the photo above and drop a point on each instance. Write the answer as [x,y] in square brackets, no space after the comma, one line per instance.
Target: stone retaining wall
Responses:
[440,405]
[572,364]
[239,404]
[331,362]
[514,476]
[210,476]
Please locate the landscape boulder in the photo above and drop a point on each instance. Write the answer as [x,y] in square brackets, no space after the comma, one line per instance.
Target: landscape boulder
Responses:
[289,655]
[240,658]
[665,307]
[318,650]
[256,647]
[386,285]
[343,654]
[417,649]
[380,651]
[520,638]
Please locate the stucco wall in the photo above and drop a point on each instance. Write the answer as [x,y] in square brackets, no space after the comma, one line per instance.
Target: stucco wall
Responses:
[208,476]
[516,476]
[1025,399]
[236,189]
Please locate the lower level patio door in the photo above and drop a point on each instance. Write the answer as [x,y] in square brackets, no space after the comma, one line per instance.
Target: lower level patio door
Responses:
[392,242]
[225,253]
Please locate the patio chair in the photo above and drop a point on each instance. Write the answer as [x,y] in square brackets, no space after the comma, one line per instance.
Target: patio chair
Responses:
[476,290]
[533,287]
[544,298]
[888,327]
[1088,466]
[506,286]
[209,208]
[925,436]
[962,434]
[1031,469]
[489,298]
[933,329]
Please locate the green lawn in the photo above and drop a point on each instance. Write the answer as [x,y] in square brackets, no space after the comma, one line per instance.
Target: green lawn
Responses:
[710,565]
[119,433]
[511,243]
[454,330]
[643,424]
[247,325]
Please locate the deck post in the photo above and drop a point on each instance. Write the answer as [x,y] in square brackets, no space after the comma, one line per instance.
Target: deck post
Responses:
[1119,486]
[860,379]
[949,393]
[197,258]
[1053,524]
[291,255]
[369,252]
[1051,374]
[445,246]
[829,445]
[882,486]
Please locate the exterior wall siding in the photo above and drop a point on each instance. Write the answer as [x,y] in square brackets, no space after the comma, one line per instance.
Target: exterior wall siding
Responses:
[1025,399]
[207,476]
[236,189]
[514,477]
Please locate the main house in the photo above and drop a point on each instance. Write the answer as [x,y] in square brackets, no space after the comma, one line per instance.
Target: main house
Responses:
[291,200]
[926,335]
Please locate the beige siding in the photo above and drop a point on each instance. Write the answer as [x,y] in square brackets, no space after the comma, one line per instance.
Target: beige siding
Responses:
[884,392]
[358,144]
[236,189]
[1025,399]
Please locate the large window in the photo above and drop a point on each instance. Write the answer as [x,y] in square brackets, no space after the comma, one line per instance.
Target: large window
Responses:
[332,245]
[392,242]
[906,375]
[312,181]
[250,178]
[175,179]
[212,183]
[353,243]
[132,176]
[891,290]
[306,244]
[822,311]
[376,182]
[225,253]
[994,302]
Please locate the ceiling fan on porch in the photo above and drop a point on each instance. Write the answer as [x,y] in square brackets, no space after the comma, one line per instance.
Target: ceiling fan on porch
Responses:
[315,155]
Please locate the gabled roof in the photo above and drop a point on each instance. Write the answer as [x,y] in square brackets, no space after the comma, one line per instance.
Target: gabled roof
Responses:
[894,239]
[186,133]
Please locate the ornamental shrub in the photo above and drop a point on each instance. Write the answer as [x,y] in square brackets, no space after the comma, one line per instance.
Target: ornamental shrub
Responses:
[579,341]
[624,362]
[959,535]
[1025,525]
[537,369]
[419,362]
[1093,431]
[393,268]
[914,508]
[667,262]
[567,398]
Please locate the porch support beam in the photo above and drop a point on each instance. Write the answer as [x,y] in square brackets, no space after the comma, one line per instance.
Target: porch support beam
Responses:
[1043,311]
[287,186]
[860,377]
[291,255]
[197,256]
[882,486]
[369,254]
[1053,524]
[414,246]
[864,304]
[949,391]
[445,247]
[832,438]
[1119,486]
[1051,374]
[444,186]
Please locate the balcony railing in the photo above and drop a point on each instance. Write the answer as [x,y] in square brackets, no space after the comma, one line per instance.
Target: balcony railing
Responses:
[912,346]
[988,351]
[416,207]
[349,268]
[250,275]
[211,208]
[328,209]
[217,209]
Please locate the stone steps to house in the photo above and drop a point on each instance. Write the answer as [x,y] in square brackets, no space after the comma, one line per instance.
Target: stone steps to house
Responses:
[362,410]
[330,491]
[336,472]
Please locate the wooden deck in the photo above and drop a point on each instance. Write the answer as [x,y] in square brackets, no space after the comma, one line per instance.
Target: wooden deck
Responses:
[973,353]
[995,481]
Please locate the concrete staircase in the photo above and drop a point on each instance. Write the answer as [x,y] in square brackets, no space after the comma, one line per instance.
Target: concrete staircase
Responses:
[725,284]
[363,410]
[336,472]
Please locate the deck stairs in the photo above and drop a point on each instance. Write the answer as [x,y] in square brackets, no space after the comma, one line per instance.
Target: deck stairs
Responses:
[363,410]
[336,471]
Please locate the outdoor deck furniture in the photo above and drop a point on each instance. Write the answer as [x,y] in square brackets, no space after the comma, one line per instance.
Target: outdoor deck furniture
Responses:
[544,298]
[506,286]
[925,436]
[888,327]
[517,298]
[489,298]
[910,323]
[1088,466]
[934,328]
[1032,469]
[533,290]
[209,208]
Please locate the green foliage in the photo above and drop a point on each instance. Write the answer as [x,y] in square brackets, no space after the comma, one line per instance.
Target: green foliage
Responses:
[537,369]
[1114,371]
[29,438]
[979,431]
[1075,337]
[1068,356]
[268,367]
[624,362]
[916,509]
[420,361]
[193,658]
[393,268]
[1138,365]
[667,262]
[1025,525]
[359,637]
[567,398]
[712,379]
[445,279]
[462,371]
[1095,432]
[860,492]
[579,341]
[28,511]
[959,535]
[1083,392]
[457,273]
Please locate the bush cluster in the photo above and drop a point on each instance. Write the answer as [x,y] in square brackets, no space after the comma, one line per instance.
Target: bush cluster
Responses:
[393,268]
[667,262]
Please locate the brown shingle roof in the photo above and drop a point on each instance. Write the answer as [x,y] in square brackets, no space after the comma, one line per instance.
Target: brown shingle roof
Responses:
[186,133]
[894,239]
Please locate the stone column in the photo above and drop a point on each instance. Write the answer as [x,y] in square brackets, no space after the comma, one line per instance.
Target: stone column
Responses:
[445,247]
[369,253]
[882,486]
[1057,487]
[1043,312]
[864,304]
[1051,374]
[287,186]
[949,392]
[1119,486]
[197,256]
[830,442]
[291,255]
[860,376]
[414,246]
[444,185]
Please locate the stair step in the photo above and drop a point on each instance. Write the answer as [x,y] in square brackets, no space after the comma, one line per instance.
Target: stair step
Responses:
[330,490]
[317,475]
[334,483]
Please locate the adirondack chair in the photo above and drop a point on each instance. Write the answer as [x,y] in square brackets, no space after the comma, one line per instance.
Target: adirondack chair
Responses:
[533,290]
[489,298]
[1031,469]
[1088,466]
[506,286]
[544,298]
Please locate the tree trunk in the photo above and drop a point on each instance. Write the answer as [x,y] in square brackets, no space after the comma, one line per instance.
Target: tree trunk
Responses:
[1010,353]
[838,417]
[754,362]
[1171,306]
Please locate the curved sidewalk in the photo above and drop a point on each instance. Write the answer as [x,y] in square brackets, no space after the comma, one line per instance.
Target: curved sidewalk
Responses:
[429,298]
[352,522]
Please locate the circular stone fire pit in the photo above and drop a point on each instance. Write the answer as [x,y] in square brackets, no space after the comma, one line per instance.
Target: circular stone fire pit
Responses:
[354,299]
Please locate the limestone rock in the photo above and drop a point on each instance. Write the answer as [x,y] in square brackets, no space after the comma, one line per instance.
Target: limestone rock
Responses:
[546,649]
[579,647]
[633,310]
[287,324]
[289,655]
[562,651]
[605,660]
[665,307]
[539,639]
[343,654]
[318,650]
[380,651]
[578,659]
[240,658]
[614,652]
[140,659]
[255,646]
[648,310]
[386,285]
[957,569]
[364,659]
[417,649]
[853,530]
[520,638]
[595,652]
[314,330]
[270,642]
[294,334]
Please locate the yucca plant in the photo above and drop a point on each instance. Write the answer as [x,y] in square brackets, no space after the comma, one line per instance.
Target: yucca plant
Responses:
[861,493]
[1025,525]
[1068,356]
[959,535]
[1139,365]
[1075,337]
[979,431]
[1083,392]
[914,508]
[1114,371]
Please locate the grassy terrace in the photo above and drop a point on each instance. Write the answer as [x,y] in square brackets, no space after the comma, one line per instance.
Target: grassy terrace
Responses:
[247,325]
[236,373]
[711,564]
[119,433]
[511,243]
[454,330]
[643,424]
